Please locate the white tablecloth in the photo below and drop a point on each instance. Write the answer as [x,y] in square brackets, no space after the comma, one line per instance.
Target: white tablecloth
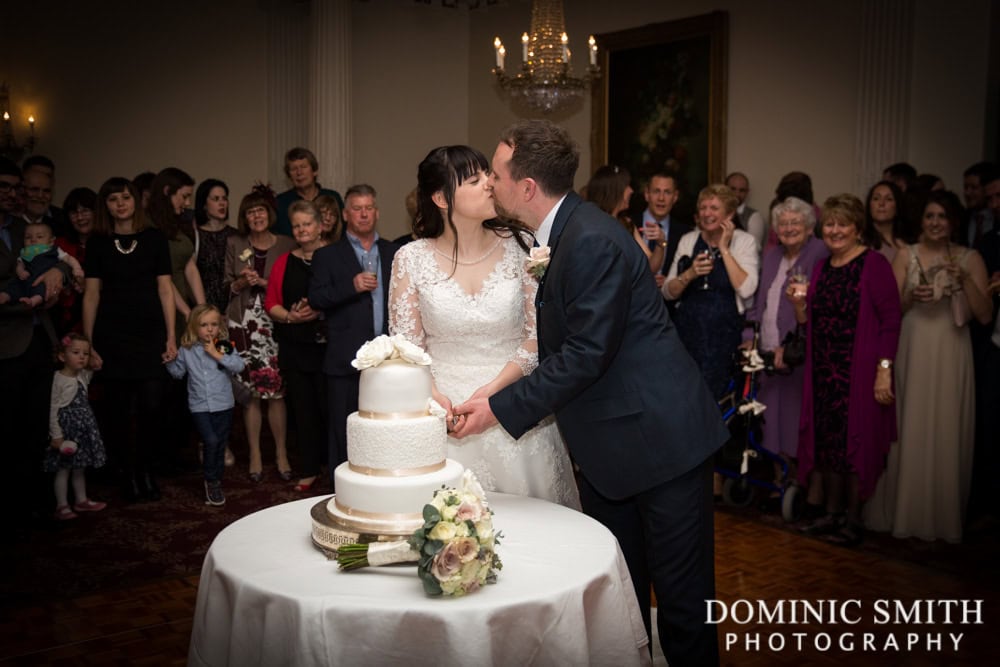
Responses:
[267,596]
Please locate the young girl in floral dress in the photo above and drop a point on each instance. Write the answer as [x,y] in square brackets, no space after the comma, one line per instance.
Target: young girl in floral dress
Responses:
[75,440]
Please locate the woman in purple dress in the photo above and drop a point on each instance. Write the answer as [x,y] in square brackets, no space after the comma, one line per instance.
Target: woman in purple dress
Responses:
[852,313]
[785,265]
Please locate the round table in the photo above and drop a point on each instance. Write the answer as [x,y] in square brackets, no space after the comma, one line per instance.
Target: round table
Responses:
[267,596]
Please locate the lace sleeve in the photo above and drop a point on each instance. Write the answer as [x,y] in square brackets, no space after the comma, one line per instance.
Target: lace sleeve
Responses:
[527,352]
[404,307]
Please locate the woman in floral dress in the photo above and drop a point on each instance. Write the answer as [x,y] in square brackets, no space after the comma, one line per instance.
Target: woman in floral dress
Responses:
[249,259]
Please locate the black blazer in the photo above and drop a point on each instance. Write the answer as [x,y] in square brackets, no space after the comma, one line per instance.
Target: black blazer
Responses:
[605,346]
[349,322]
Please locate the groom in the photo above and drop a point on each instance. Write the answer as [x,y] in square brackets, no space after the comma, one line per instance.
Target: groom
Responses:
[630,402]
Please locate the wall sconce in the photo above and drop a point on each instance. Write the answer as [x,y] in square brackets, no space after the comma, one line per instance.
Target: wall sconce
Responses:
[9,148]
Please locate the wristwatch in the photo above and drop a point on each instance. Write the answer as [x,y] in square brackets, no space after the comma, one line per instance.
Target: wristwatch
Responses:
[885,363]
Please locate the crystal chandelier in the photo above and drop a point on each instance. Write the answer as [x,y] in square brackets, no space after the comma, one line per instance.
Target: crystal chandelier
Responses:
[9,148]
[545,82]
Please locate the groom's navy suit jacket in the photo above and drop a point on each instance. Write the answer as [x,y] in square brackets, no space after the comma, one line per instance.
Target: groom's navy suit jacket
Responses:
[630,401]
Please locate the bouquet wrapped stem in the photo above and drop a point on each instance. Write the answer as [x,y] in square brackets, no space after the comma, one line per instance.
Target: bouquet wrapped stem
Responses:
[356,556]
[454,549]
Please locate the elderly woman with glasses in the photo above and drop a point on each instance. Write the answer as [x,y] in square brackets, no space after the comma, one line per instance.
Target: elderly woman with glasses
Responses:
[787,265]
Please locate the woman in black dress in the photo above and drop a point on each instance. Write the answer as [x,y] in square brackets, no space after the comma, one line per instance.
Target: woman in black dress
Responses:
[211,211]
[128,312]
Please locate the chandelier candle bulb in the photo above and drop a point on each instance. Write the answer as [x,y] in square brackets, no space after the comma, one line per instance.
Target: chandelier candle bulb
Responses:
[524,47]
[564,38]
[501,55]
[498,45]
[593,51]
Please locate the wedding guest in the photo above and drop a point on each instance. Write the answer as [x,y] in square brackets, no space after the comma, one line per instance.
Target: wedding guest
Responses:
[751,219]
[330,215]
[169,200]
[204,358]
[661,193]
[789,264]
[713,277]
[610,188]
[852,314]
[884,211]
[902,174]
[250,258]
[351,287]
[80,207]
[302,169]
[211,211]
[942,285]
[128,313]
[169,211]
[76,442]
[301,341]
[143,183]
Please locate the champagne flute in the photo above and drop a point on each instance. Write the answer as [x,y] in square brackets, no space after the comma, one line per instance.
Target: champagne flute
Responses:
[799,281]
[704,279]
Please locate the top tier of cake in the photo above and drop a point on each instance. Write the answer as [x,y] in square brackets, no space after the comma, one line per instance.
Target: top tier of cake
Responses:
[394,387]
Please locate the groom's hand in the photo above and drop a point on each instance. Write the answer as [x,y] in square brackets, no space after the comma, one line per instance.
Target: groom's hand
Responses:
[478,416]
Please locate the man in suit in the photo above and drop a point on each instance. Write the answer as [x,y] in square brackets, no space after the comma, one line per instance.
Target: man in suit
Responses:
[350,284]
[657,226]
[26,344]
[750,218]
[605,344]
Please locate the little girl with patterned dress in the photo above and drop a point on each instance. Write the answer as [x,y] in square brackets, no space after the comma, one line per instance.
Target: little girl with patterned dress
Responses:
[75,440]
[209,361]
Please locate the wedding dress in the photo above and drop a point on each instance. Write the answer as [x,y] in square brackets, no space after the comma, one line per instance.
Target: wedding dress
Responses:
[470,338]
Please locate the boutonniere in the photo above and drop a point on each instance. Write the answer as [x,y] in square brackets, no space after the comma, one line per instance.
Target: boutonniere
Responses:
[538,261]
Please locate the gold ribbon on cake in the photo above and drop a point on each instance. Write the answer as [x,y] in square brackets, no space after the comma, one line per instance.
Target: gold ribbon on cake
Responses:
[396,472]
[368,414]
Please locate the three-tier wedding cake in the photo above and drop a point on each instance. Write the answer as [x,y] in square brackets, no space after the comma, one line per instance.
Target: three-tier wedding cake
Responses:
[397,445]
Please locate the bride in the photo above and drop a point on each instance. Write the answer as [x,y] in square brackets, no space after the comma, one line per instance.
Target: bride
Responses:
[461,291]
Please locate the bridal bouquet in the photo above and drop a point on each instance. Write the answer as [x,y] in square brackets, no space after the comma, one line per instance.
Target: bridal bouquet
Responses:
[455,549]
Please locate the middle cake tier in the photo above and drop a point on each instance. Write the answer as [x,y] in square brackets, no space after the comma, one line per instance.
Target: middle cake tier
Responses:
[396,447]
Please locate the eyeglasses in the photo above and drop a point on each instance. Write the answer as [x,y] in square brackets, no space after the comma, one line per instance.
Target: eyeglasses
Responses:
[8,187]
[256,210]
[789,224]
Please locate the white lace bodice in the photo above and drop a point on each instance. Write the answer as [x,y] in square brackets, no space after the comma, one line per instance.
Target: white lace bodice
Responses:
[470,338]
[465,334]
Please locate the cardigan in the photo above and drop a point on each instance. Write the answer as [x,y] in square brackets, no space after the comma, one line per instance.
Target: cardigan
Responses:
[743,248]
[871,426]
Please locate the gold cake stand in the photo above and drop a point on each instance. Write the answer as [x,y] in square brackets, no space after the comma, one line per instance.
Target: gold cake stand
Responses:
[329,531]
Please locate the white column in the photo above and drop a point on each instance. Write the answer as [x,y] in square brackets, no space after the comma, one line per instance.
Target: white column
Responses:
[287,85]
[883,88]
[329,94]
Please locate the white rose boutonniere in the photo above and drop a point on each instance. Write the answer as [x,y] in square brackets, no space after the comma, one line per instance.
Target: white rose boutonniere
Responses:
[538,261]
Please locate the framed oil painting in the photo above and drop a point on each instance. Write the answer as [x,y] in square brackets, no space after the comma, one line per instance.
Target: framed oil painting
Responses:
[661,104]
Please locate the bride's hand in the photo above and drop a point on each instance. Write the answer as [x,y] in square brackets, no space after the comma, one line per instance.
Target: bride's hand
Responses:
[483,392]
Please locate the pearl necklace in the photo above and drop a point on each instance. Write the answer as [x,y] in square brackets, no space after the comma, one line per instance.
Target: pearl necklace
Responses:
[472,262]
[126,251]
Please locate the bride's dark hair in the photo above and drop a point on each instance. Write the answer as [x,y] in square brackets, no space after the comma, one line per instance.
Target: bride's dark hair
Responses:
[443,170]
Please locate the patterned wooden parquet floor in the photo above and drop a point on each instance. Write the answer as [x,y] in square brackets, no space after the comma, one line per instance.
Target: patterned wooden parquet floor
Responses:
[151,624]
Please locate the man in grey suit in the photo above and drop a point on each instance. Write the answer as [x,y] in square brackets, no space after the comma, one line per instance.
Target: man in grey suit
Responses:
[637,417]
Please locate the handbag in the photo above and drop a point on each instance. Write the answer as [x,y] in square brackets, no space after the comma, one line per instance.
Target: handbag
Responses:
[960,311]
[795,347]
